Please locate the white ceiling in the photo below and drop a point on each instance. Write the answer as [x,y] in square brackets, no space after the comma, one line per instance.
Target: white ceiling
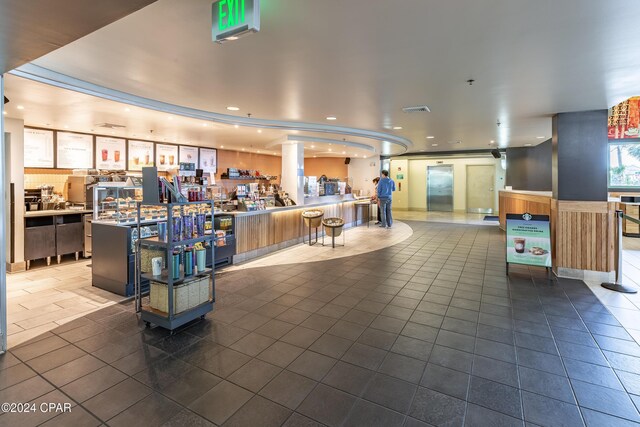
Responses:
[363,60]
[30,29]
[55,108]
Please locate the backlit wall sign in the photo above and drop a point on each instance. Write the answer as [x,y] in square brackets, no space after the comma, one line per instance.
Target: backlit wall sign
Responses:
[232,19]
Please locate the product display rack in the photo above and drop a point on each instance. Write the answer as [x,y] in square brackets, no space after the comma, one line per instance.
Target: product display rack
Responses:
[170,319]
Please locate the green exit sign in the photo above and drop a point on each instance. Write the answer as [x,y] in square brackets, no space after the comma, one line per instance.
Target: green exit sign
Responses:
[234,18]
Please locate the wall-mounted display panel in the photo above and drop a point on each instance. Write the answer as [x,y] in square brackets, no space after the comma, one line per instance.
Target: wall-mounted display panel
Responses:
[166,157]
[38,148]
[209,160]
[140,154]
[188,154]
[74,150]
[110,153]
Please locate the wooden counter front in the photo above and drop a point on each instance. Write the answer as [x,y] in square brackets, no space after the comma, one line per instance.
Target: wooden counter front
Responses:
[520,202]
[260,231]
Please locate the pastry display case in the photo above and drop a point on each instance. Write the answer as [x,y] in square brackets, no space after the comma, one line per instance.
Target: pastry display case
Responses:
[117,204]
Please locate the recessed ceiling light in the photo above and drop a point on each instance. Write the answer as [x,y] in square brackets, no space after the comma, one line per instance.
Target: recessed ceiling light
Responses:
[397,128]
[332,118]
[527,145]
[258,151]
[421,150]
[492,142]
[243,149]
[222,146]
[329,149]
[540,137]
[232,108]
[4,112]
[232,38]
[344,152]
[127,109]
[170,117]
[315,157]
[430,137]
[20,107]
[204,125]
[67,127]
[259,130]
[434,145]
[236,126]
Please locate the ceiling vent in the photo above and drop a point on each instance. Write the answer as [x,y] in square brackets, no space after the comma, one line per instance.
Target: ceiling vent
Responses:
[417,109]
[110,126]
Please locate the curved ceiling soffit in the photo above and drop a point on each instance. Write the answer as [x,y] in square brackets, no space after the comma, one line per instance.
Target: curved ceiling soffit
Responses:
[53,78]
[301,138]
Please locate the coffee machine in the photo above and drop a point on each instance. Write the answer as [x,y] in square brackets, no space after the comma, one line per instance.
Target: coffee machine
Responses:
[80,188]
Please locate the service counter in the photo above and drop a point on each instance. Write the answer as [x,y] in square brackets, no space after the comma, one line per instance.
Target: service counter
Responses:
[261,232]
[53,233]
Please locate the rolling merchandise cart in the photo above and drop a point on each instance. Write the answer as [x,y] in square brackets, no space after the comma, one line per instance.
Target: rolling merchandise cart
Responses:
[181,292]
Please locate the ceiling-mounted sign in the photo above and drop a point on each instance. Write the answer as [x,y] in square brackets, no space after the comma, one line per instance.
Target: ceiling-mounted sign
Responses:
[232,19]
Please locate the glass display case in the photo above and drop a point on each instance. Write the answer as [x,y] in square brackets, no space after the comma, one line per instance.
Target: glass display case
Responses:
[117,203]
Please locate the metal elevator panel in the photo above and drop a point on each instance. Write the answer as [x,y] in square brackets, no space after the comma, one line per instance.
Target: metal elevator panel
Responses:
[440,188]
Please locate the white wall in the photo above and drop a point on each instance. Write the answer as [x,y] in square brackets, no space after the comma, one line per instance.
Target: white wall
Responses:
[15,170]
[362,172]
[416,178]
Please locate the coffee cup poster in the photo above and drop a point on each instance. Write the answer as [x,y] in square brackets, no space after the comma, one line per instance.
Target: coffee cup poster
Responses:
[110,153]
[528,240]
[140,155]
[166,157]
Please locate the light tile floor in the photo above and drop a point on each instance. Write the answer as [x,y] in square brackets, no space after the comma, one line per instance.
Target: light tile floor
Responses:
[42,299]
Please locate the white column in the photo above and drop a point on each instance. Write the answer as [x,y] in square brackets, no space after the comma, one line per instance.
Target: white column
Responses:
[14,173]
[3,234]
[293,171]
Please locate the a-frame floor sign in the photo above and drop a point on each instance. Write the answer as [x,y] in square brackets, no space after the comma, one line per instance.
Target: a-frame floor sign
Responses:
[528,241]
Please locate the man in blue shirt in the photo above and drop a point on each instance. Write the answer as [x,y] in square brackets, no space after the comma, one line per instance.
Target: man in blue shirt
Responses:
[386,187]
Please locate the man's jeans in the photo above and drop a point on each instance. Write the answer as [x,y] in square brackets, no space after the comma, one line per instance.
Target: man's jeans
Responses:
[385,211]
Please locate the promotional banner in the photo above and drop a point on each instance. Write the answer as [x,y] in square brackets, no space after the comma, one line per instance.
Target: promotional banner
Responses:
[140,155]
[188,154]
[75,151]
[166,157]
[38,148]
[209,160]
[528,240]
[110,153]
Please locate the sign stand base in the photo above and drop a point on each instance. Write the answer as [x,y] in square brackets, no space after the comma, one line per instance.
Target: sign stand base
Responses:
[620,288]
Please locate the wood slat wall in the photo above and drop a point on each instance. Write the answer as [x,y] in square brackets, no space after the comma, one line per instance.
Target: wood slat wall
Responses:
[272,227]
[585,235]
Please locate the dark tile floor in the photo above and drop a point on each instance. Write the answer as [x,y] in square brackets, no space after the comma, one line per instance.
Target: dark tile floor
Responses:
[427,332]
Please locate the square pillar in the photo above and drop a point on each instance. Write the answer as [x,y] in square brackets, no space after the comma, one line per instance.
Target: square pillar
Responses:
[293,171]
[582,218]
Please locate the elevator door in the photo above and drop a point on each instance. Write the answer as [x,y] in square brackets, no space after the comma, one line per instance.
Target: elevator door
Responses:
[480,193]
[440,188]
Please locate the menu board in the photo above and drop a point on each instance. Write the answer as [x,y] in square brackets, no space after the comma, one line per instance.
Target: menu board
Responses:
[209,160]
[166,157]
[188,154]
[74,151]
[140,154]
[38,148]
[528,240]
[624,119]
[110,153]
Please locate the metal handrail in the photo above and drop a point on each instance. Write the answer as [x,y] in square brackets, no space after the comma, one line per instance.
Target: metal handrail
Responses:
[618,286]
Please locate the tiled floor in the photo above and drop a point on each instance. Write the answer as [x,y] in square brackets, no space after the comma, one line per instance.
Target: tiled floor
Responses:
[426,332]
[44,298]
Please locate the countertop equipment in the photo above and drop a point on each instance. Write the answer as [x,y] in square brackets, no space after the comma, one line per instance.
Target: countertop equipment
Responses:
[80,188]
